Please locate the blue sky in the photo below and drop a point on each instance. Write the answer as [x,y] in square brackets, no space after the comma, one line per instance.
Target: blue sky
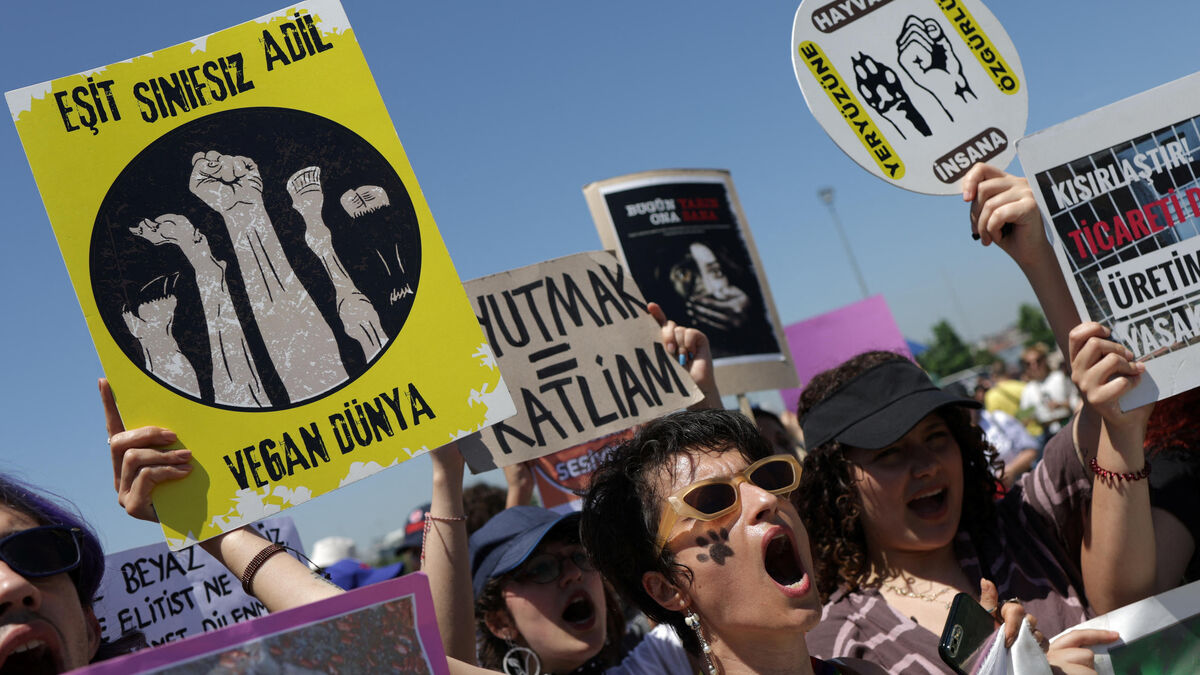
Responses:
[506,110]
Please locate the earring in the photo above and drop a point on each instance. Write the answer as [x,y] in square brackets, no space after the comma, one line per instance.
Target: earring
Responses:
[692,620]
[518,661]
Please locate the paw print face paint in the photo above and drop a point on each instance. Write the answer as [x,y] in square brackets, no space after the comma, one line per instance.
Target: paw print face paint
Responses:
[282,294]
[718,546]
[759,553]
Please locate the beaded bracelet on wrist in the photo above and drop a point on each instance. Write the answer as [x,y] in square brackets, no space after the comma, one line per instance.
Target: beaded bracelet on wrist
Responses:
[257,562]
[429,519]
[1117,476]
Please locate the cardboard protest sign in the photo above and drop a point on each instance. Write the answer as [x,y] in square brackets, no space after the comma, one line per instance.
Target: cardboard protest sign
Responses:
[580,354]
[683,236]
[1118,190]
[563,477]
[826,340]
[170,596]
[389,627]
[913,91]
[1158,634]
[257,265]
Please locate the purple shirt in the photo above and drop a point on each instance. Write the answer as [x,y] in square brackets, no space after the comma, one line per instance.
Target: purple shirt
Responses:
[1032,554]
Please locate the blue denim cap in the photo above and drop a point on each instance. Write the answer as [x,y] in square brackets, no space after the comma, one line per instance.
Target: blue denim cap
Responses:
[505,541]
[349,573]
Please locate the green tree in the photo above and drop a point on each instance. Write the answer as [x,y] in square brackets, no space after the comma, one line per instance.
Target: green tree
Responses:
[947,353]
[1032,322]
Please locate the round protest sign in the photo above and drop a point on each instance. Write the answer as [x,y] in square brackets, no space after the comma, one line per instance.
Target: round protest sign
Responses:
[915,92]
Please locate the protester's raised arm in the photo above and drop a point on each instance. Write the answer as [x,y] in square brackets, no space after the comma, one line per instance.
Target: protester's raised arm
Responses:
[140,463]
[691,346]
[281,582]
[1000,200]
[446,556]
[519,478]
[1118,555]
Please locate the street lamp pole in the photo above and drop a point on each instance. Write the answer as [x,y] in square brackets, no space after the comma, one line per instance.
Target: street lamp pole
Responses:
[826,195]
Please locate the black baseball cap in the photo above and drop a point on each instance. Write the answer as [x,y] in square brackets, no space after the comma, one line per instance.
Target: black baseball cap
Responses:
[877,407]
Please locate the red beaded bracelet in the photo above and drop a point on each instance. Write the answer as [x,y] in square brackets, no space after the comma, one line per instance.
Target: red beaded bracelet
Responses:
[1114,476]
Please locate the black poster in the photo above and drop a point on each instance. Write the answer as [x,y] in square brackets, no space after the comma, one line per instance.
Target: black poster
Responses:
[683,245]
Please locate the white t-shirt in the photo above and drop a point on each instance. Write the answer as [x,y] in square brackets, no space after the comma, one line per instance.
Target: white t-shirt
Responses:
[1005,433]
[661,651]
[1056,387]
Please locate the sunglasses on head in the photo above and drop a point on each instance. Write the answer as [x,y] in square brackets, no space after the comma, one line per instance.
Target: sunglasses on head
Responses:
[545,568]
[42,551]
[715,497]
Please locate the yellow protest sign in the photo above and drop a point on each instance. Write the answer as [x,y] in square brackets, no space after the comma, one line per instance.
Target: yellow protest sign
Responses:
[257,265]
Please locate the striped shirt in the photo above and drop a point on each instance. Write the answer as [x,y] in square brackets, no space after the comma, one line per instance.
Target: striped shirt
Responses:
[1033,555]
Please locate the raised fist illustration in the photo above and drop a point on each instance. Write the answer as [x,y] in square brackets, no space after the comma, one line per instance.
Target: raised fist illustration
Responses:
[168,228]
[364,199]
[881,89]
[151,327]
[305,188]
[225,182]
[926,54]
[358,315]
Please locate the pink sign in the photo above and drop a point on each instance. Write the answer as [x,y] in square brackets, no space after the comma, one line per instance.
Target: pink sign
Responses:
[388,627]
[826,340]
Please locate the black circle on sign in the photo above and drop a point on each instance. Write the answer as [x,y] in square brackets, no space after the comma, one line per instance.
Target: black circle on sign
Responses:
[379,249]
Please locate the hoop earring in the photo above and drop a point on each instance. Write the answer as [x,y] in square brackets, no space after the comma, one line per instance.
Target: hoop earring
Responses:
[517,661]
[692,620]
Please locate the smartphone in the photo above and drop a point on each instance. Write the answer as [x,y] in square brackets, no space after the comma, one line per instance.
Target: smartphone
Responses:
[968,635]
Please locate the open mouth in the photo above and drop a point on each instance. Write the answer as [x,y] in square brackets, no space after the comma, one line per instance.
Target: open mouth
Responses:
[782,563]
[580,612]
[930,503]
[32,658]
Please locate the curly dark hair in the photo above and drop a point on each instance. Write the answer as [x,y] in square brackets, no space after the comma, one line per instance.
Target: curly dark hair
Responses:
[830,504]
[491,649]
[622,507]
[482,502]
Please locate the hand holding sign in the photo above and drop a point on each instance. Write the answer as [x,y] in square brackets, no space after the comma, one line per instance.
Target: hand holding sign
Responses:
[691,346]
[1004,211]
[1104,371]
[140,460]
[1000,203]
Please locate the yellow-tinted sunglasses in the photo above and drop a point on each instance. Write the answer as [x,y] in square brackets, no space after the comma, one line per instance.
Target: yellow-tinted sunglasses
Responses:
[715,497]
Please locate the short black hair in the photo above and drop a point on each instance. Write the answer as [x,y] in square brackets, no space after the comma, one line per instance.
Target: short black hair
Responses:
[622,507]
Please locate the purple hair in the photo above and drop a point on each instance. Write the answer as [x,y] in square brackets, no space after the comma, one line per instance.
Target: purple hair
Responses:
[24,499]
